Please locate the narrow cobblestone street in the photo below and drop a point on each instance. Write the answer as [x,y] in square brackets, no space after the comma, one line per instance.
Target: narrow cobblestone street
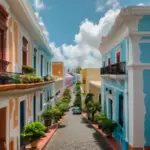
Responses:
[74,133]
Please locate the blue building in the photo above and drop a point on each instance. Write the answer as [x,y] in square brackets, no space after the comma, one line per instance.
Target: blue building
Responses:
[125,77]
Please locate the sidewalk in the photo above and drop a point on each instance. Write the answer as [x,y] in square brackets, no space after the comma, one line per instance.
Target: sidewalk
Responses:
[113,143]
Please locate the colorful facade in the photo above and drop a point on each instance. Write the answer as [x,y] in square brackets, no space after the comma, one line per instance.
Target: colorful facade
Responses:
[58,69]
[23,43]
[58,73]
[87,75]
[125,77]
[95,88]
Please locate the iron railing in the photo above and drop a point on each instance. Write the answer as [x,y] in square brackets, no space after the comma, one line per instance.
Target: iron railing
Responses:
[118,68]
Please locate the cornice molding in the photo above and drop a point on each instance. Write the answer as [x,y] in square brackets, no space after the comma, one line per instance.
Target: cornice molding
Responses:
[138,66]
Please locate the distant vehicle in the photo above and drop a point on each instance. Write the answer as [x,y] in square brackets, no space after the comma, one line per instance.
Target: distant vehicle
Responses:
[76,110]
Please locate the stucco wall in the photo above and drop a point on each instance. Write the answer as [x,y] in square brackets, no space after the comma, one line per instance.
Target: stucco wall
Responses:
[58,69]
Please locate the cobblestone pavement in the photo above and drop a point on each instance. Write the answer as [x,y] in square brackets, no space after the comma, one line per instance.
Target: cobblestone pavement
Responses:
[74,133]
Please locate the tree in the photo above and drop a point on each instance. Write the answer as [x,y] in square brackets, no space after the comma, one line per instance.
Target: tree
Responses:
[89,97]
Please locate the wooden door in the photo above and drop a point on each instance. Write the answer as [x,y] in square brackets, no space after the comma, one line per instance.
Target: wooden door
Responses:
[2,128]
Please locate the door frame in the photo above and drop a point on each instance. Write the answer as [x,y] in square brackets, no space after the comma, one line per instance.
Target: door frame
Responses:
[3,105]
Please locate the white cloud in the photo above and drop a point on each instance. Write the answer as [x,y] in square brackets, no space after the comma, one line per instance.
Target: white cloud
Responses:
[142,4]
[101,5]
[39,4]
[40,20]
[85,51]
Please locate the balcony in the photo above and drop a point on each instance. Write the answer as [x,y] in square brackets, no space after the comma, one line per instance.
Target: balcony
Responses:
[19,81]
[114,71]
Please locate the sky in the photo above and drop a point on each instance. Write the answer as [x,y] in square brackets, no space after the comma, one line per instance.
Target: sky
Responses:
[74,27]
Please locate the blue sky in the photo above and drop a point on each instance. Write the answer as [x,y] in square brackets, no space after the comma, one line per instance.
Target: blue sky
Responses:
[71,26]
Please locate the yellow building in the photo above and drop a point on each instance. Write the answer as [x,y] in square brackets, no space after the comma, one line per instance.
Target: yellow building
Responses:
[58,73]
[95,88]
[58,69]
[89,74]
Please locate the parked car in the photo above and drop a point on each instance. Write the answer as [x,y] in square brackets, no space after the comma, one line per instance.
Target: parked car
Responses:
[76,110]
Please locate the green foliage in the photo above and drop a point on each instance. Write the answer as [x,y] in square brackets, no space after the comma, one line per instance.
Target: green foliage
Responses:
[33,130]
[63,107]
[31,78]
[28,69]
[46,115]
[97,117]
[89,97]
[15,78]
[108,125]
[56,113]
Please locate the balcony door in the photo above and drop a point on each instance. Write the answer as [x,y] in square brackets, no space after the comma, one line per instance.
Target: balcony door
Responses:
[41,65]
[118,57]
[3,128]
[3,29]
[24,51]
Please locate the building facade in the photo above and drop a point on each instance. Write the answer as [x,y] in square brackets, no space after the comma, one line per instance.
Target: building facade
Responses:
[58,73]
[95,88]
[125,77]
[87,75]
[22,44]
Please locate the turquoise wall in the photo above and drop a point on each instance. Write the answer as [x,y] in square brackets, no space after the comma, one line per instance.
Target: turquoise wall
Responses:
[144,52]
[146,90]
[144,24]
[112,52]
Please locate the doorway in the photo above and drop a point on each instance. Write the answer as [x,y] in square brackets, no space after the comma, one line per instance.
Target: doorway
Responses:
[34,108]
[110,109]
[2,128]
[22,120]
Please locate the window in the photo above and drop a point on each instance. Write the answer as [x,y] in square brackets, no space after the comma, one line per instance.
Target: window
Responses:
[84,81]
[104,63]
[41,65]
[34,59]
[47,68]
[111,109]
[121,110]
[109,61]
[3,29]
[118,57]
[24,51]
[1,44]
[100,99]
[48,95]
[41,102]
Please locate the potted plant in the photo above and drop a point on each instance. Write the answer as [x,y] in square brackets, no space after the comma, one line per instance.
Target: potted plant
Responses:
[47,116]
[109,126]
[28,69]
[33,131]
[102,118]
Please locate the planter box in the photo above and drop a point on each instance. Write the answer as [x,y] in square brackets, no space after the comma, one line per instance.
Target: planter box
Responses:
[8,87]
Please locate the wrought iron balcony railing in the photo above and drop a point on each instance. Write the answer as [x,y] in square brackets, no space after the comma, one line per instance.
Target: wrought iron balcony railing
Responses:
[115,69]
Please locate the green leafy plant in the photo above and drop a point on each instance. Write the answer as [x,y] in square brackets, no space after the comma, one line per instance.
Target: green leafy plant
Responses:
[47,116]
[97,117]
[108,126]
[15,78]
[28,69]
[56,113]
[33,131]
[89,97]
[102,118]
